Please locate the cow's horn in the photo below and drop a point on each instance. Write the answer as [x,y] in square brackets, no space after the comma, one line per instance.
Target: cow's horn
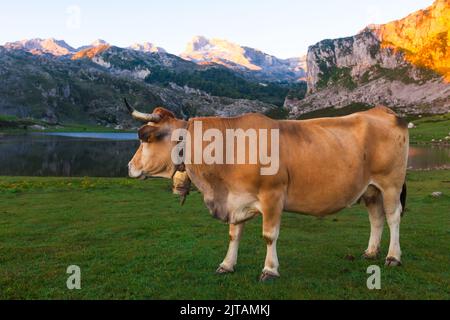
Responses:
[144,117]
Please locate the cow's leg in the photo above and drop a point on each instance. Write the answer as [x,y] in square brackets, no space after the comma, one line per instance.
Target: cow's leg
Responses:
[374,203]
[393,209]
[271,230]
[228,264]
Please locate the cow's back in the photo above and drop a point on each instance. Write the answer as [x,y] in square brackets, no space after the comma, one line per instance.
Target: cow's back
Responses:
[331,161]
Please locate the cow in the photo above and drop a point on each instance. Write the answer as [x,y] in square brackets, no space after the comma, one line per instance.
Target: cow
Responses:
[325,166]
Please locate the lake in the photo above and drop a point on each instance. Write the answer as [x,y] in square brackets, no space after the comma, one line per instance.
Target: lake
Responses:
[107,154]
[67,154]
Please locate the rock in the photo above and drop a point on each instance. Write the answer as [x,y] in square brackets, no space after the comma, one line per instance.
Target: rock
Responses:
[436,194]
[37,127]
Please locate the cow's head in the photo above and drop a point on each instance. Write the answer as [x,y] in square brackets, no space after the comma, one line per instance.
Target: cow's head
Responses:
[154,156]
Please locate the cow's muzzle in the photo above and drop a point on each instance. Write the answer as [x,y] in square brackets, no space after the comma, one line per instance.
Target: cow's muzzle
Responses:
[134,173]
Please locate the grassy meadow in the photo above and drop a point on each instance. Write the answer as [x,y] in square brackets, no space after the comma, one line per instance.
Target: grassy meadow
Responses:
[132,240]
[14,125]
[431,128]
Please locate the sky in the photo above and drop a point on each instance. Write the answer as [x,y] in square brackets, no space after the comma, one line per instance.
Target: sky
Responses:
[284,28]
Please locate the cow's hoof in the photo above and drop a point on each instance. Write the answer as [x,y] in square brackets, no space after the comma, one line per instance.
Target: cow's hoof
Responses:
[223,270]
[267,276]
[371,255]
[393,262]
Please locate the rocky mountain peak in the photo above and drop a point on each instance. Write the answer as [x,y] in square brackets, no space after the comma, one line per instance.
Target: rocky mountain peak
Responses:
[99,42]
[42,46]
[219,51]
[197,43]
[96,43]
[423,36]
[245,59]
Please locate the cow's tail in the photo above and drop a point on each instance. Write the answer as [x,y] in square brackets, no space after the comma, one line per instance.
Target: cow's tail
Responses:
[403,198]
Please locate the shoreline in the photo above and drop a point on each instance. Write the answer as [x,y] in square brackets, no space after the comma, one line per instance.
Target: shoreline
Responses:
[428,131]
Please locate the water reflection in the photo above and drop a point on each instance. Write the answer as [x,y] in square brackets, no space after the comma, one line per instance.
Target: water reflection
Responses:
[107,154]
[92,135]
[429,157]
[57,155]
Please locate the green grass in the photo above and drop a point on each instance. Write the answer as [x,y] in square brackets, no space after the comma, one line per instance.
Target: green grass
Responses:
[429,128]
[5,117]
[132,240]
[84,128]
[11,124]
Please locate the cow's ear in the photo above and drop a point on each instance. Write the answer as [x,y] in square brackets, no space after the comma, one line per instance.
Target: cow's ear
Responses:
[149,133]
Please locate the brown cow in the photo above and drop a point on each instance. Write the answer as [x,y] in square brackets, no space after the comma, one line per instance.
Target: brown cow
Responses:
[325,165]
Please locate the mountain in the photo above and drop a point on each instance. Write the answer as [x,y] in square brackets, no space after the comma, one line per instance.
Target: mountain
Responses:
[164,69]
[42,46]
[246,60]
[147,47]
[153,65]
[135,63]
[404,64]
[89,89]
[298,65]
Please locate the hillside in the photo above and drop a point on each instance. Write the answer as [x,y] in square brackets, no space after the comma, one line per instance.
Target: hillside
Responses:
[91,91]
[164,69]
[48,80]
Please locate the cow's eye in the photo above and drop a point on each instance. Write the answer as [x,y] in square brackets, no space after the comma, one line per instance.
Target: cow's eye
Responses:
[159,135]
[151,134]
